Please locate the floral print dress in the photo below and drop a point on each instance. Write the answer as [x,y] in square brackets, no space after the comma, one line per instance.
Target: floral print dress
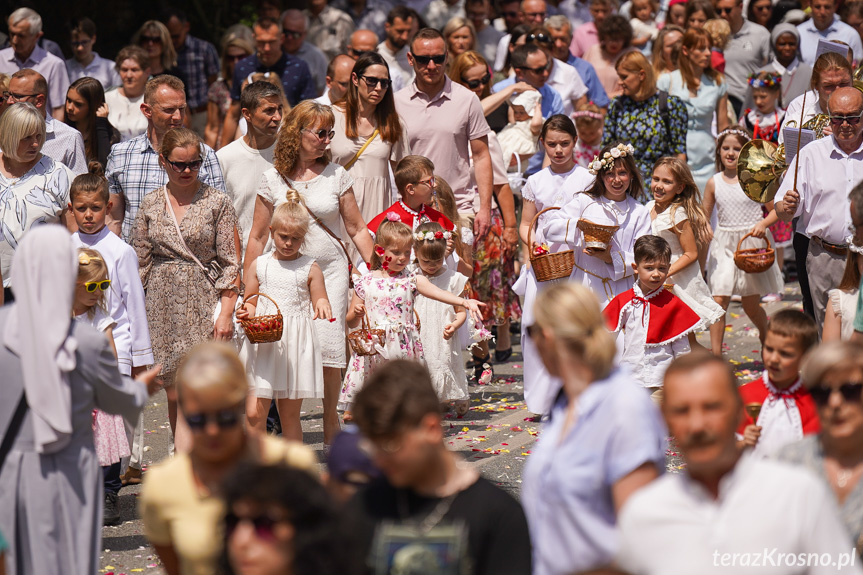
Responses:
[389,303]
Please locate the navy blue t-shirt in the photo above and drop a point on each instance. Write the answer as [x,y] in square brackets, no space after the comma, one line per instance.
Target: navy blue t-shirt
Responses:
[295,75]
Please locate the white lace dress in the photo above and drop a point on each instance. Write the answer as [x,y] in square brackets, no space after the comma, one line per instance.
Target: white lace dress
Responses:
[290,368]
[689,286]
[844,305]
[736,213]
[442,357]
[321,196]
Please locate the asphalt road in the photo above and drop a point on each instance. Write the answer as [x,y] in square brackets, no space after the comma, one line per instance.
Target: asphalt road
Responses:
[496,436]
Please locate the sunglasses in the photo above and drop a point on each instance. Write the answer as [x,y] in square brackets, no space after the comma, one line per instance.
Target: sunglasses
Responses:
[424,60]
[151,40]
[373,82]
[722,11]
[839,120]
[17,97]
[851,391]
[322,134]
[235,58]
[263,524]
[541,38]
[292,34]
[181,167]
[474,84]
[537,70]
[224,419]
[101,286]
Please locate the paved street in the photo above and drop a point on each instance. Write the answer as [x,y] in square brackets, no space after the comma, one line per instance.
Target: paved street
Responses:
[496,436]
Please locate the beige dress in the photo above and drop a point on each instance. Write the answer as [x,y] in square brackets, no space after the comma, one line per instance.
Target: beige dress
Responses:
[179,298]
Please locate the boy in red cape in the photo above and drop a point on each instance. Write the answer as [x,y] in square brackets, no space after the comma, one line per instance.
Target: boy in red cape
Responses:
[415,182]
[787,410]
[654,321]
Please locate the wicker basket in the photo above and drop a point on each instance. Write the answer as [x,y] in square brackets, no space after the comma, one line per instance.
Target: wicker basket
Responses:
[596,236]
[547,267]
[754,260]
[363,340]
[263,328]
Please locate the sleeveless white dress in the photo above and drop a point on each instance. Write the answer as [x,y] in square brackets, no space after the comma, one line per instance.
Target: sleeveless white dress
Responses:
[844,305]
[290,368]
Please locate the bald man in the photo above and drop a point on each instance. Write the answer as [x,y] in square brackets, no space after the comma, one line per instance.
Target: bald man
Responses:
[361,41]
[726,512]
[338,79]
[295,25]
[829,170]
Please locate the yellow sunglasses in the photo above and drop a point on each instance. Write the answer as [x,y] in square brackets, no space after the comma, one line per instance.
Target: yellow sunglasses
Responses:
[102,285]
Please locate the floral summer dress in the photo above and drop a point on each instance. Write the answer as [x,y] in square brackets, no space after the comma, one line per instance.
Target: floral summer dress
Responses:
[389,303]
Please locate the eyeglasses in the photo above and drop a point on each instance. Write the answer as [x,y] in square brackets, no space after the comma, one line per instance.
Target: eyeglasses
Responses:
[722,11]
[322,134]
[538,70]
[850,390]
[101,286]
[839,120]
[181,167]
[373,82]
[474,84]
[224,419]
[429,182]
[438,59]
[17,97]
[358,53]
[263,524]
[541,38]
[151,39]
[292,34]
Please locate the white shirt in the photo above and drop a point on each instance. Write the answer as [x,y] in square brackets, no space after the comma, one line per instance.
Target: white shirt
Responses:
[100,68]
[324,98]
[813,108]
[65,144]
[125,114]
[826,177]
[779,420]
[567,82]
[673,526]
[838,30]
[502,51]
[401,72]
[243,167]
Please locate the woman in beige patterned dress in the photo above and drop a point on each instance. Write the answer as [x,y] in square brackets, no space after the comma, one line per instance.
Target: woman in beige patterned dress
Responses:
[179,297]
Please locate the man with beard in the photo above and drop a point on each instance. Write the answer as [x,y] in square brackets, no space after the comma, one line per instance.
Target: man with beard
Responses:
[401,21]
[727,511]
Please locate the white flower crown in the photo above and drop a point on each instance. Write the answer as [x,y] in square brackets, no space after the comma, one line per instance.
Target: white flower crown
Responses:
[430,236]
[619,151]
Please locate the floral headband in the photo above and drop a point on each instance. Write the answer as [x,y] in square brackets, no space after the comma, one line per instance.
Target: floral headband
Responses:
[771,80]
[734,132]
[587,114]
[431,236]
[619,151]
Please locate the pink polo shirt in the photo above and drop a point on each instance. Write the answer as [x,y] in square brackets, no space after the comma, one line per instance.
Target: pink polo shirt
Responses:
[583,38]
[441,128]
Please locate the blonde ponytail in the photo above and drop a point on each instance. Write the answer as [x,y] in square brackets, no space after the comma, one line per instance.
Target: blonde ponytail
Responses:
[292,214]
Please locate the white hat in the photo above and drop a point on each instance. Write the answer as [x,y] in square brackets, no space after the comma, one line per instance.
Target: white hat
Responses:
[527,100]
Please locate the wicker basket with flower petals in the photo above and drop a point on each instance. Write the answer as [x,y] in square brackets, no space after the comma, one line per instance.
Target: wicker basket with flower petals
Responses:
[546,266]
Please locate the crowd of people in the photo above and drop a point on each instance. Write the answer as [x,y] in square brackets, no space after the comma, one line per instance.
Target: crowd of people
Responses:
[347,200]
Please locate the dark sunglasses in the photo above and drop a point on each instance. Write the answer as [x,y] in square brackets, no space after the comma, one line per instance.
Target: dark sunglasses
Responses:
[722,11]
[181,167]
[474,84]
[537,70]
[292,34]
[263,524]
[851,391]
[101,286]
[541,38]
[424,60]
[151,39]
[224,419]
[236,58]
[17,97]
[839,120]
[322,134]
[373,82]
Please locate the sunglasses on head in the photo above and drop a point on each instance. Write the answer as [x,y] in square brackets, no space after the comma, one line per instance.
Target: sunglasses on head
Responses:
[181,167]
[373,82]
[850,390]
[263,524]
[474,84]
[541,38]
[224,419]
[93,286]
[839,120]
[424,60]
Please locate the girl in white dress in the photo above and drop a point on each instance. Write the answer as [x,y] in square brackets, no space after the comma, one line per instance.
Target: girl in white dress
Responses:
[737,215]
[840,314]
[290,369]
[677,217]
[552,187]
[439,322]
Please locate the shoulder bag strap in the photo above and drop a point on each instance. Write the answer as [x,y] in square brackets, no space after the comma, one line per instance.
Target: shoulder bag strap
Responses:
[180,234]
[13,429]
[359,153]
[663,110]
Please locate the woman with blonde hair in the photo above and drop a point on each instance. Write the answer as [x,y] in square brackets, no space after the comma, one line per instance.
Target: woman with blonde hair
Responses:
[460,36]
[302,162]
[604,439]
[181,499]
[153,36]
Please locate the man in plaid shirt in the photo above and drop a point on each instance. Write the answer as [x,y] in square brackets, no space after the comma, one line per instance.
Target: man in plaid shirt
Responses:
[133,169]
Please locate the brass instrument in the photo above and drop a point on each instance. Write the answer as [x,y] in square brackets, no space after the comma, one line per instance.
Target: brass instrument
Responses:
[816,123]
[760,167]
[857,78]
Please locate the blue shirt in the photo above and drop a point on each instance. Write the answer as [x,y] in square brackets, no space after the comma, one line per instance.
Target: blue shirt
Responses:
[294,73]
[198,59]
[568,480]
[595,92]
[551,104]
[838,30]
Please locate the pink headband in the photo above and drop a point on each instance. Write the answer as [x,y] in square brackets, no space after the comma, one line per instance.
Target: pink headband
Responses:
[586,114]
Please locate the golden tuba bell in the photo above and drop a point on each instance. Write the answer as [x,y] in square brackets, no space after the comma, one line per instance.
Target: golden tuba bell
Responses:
[760,167]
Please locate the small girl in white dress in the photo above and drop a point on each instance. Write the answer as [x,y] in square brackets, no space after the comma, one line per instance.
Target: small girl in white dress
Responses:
[737,215]
[677,217]
[840,314]
[439,321]
[290,369]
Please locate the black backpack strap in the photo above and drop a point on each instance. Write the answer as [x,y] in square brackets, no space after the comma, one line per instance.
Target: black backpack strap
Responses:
[13,429]
[663,110]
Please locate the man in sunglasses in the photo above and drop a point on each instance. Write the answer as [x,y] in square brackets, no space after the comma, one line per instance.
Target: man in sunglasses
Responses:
[296,26]
[401,22]
[829,169]
[726,503]
[747,51]
[562,78]
[446,124]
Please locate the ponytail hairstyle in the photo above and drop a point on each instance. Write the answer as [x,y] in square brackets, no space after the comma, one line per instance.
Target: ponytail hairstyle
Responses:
[742,134]
[572,313]
[636,186]
[291,215]
[430,249]
[92,182]
[688,199]
[444,202]
[92,268]
[391,234]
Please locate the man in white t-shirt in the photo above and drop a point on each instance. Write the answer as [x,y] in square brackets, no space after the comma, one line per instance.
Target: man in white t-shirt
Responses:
[244,161]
